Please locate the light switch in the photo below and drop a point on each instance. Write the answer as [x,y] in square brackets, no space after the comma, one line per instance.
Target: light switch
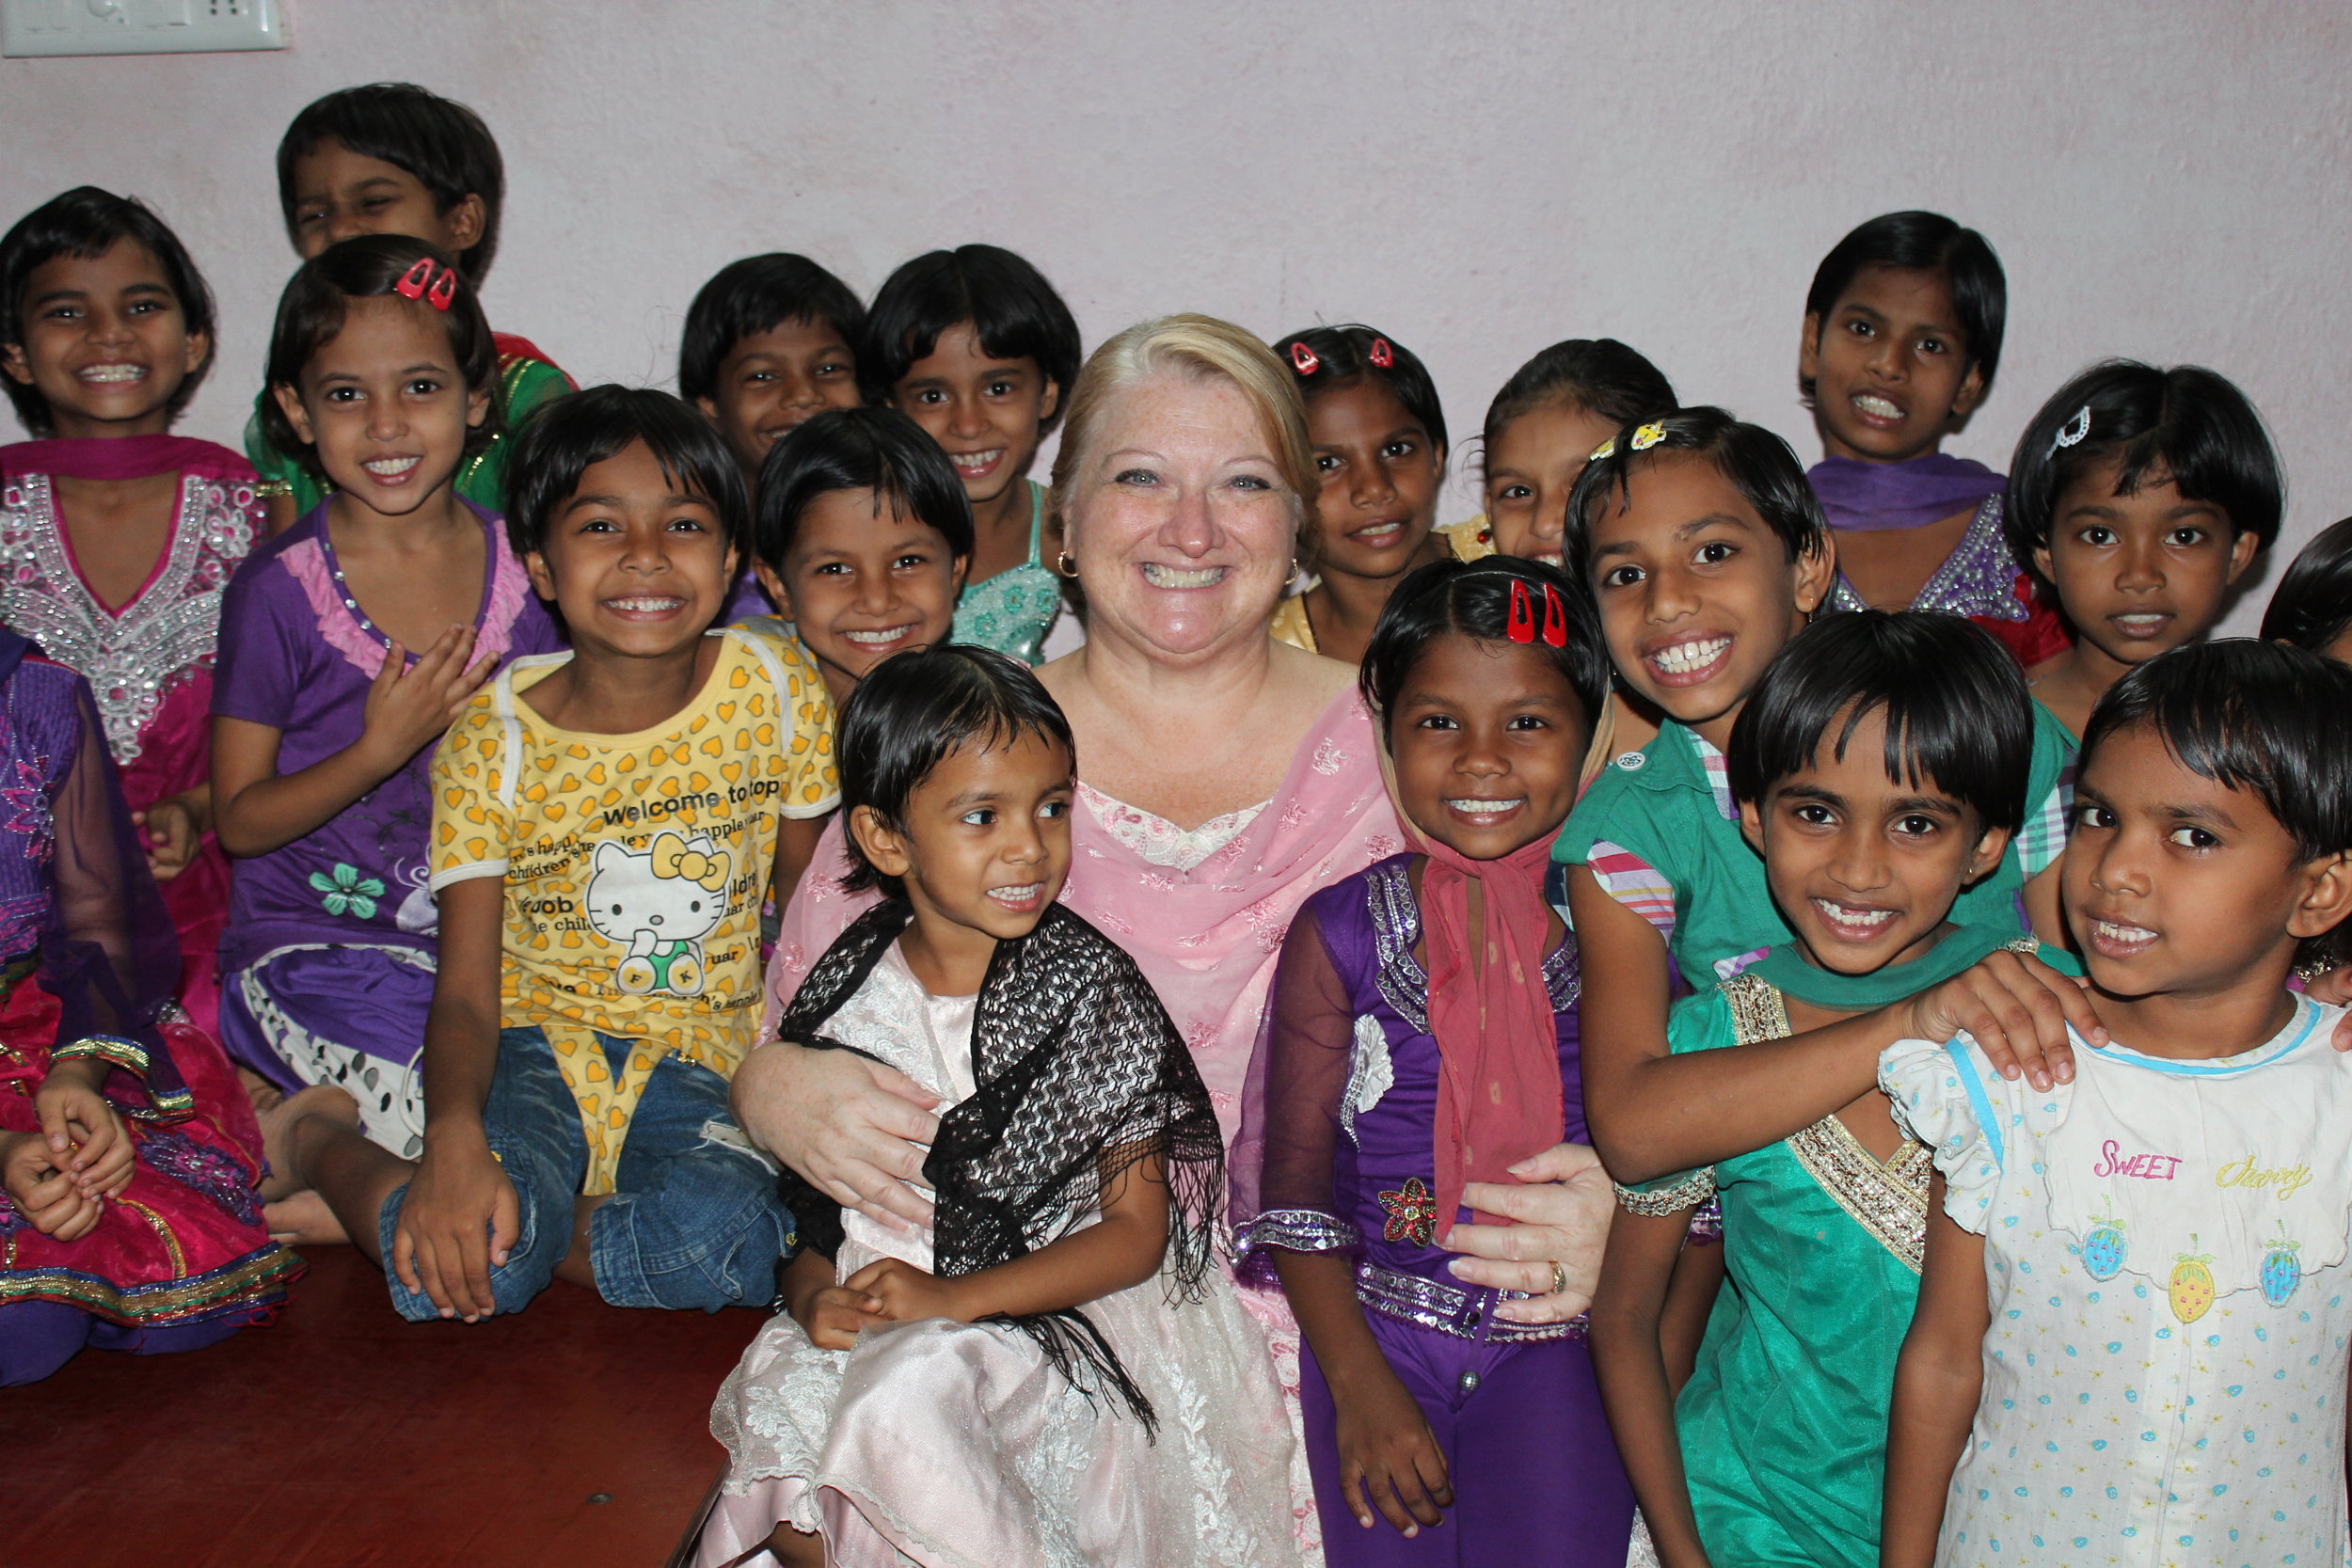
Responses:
[31,28]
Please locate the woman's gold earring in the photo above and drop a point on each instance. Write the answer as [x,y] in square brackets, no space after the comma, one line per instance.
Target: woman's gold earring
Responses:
[1065,565]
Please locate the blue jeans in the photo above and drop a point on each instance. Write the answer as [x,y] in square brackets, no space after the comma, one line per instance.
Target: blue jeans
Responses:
[696,1220]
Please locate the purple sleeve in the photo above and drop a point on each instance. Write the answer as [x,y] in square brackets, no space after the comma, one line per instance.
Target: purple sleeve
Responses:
[267,640]
[535,631]
[109,954]
[1283,1167]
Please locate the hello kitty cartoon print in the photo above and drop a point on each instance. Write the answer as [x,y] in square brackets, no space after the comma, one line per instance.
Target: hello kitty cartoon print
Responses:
[661,903]
[634,865]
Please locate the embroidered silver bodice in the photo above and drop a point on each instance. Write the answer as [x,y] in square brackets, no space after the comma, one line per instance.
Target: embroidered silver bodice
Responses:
[132,659]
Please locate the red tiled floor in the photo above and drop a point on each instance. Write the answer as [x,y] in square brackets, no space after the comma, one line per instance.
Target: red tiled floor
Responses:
[340,1435]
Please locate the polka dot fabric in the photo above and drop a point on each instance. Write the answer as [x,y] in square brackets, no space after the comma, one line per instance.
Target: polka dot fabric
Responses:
[634,865]
[2152,1396]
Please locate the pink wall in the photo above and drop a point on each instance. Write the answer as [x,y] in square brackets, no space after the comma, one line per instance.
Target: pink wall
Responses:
[2163,179]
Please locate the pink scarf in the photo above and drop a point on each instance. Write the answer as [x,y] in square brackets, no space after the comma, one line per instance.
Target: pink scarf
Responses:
[122,458]
[1206,939]
[1499,1097]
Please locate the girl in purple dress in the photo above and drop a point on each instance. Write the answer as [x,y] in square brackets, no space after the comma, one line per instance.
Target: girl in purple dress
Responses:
[1422,1037]
[128,1153]
[382,374]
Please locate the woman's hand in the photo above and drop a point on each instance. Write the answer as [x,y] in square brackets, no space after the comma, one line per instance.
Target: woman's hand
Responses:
[1386,1447]
[906,1293]
[408,710]
[459,1219]
[1560,1217]
[2015,1007]
[85,1135]
[848,1124]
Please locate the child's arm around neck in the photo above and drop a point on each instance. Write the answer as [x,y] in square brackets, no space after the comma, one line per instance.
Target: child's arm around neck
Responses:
[1653,1113]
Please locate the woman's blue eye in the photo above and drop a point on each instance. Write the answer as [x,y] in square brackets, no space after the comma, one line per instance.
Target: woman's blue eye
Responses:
[1250,482]
[1137,476]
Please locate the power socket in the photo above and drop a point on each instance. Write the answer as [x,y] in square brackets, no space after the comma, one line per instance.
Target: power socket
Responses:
[38,27]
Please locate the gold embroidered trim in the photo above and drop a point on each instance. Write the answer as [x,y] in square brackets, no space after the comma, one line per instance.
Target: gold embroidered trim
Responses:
[1688,1192]
[1890,1201]
[1758,1012]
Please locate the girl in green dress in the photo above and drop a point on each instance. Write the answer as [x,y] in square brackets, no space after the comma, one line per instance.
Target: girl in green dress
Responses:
[1705,552]
[1881,770]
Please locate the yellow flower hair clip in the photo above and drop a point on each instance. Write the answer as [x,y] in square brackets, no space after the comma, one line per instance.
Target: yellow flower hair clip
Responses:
[1606,448]
[1648,436]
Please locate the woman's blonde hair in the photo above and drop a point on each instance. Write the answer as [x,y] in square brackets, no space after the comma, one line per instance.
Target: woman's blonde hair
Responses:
[1195,348]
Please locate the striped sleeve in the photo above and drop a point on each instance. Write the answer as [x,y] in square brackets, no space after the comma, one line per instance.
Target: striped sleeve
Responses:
[1635,883]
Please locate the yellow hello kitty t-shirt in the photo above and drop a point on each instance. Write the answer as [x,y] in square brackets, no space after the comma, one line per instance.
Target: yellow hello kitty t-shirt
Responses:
[634,865]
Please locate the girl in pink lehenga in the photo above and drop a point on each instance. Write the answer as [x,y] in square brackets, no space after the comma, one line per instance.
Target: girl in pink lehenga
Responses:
[116,536]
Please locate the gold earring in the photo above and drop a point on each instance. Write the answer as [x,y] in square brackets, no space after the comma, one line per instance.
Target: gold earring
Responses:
[1064,565]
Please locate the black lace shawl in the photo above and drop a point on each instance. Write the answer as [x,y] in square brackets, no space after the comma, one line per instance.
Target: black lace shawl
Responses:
[1080,1074]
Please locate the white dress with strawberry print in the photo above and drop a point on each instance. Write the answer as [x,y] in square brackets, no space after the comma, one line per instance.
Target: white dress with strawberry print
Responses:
[2164,1254]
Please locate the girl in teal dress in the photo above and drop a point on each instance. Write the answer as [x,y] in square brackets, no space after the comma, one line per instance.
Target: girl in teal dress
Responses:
[975,346]
[1880,768]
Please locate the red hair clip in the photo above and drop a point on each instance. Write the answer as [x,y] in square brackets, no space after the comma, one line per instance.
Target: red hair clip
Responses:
[1304,357]
[1522,624]
[418,282]
[1556,618]
[1382,354]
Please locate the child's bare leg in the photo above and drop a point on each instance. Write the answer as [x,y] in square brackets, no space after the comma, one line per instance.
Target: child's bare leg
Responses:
[330,1154]
[795,1550]
[277,1119]
[574,1265]
[264,1095]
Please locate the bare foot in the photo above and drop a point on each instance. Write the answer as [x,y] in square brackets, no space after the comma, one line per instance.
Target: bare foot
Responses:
[263,1094]
[304,1220]
[278,1125]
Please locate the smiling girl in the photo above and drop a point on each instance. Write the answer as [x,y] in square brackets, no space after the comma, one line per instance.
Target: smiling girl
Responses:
[1880,768]
[349,644]
[861,535]
[1380,450]
[1902,333]
[1424,1036]
[117,537]
[2142,496]
[975,346]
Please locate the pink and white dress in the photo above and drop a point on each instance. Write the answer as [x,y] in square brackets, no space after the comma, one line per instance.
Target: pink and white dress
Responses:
[149,660]
[1203,913]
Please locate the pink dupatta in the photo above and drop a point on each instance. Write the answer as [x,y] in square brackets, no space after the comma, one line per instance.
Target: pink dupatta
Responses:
[1207,938]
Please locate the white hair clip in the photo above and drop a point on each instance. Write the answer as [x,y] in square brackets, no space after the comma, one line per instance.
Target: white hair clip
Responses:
[2072,432]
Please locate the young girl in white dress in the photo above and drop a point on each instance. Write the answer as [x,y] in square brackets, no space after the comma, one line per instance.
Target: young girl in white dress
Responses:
[2130,1343]
[1055,1372]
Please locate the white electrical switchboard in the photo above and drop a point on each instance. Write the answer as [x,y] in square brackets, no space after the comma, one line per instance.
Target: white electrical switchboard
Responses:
[29,27]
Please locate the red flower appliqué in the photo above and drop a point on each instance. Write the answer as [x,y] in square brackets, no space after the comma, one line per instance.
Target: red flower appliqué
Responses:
[1412,1212]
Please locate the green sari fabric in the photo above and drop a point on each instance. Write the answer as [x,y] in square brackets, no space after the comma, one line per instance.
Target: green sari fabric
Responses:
[1783,1424]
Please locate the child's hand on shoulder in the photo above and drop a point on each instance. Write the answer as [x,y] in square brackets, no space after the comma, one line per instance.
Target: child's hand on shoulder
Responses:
[1385,1446]
[906,1293]
[459,1219]
[83,1132]
[408,708]
[44,1192]
[2015,1007]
